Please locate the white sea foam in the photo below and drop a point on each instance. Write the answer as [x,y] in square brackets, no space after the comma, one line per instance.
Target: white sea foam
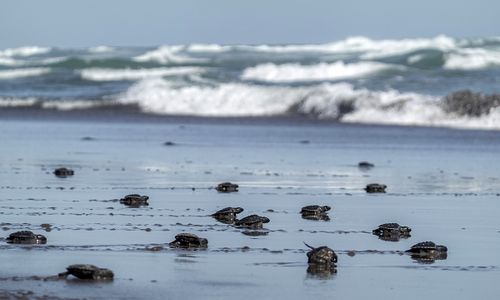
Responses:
[323,71]
[8,61]
[24,51]
[17,102]
[368,48]
[98,74]
[26,72]
[167,54]
[213,48]
[101,49]
[472,59]
[323,101]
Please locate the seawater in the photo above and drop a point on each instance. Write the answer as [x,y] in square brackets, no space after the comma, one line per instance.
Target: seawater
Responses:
[443,183]
[356,80]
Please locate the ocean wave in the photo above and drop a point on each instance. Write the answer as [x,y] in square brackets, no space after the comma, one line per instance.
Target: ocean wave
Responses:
[101,49]
[167,54]
[99,74]
[472,59]
[208,48]
[338,101]
[26,72]
[323,71]
[8,61]
[24,51]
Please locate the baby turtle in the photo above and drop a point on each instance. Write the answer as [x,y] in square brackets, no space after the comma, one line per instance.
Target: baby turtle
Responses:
[26,237]
[89,272]
[321,256]
[63,172]
[428,252]
[392,229]
[135,200]
[365,165]
[375,188]
[227,187]
[315,212]
[252,221]
[227,215]
[188,240]
[314,209]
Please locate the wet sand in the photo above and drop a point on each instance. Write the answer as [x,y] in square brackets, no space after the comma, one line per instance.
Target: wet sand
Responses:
[442,183]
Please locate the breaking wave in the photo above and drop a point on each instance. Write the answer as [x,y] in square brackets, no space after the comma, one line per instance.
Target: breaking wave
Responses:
[339,101]
[167,54]
[26,72]
[472,59]
[97,74]
[323,71]
[24,51]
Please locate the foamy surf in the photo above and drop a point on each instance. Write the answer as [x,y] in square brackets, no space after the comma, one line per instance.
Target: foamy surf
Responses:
[340,102]
[167,54]
[26,72]
[323,71]
[96,74]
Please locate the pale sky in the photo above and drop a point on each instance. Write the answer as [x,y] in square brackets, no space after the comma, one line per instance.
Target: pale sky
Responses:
[77,23]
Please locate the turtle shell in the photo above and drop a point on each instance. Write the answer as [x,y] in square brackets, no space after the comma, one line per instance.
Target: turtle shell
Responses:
[252,220]
[375,188]
[187,240]
[389,226]
[227,187]
[427,246]
[228,211]
[365,165]
[26,237]
[63,172]
[84,271]
[321,255]
[135,200]
[314,209]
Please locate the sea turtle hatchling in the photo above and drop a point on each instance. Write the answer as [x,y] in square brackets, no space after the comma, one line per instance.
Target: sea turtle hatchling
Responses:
[63,172]
[428,251]
[227,215]
[314,209]
[365,165]
[375,188]
[188,240]
[89,272]
[26,237]
[135,200]
[321,256]
[252,221]
[227,187]
[315,212]
[392,229]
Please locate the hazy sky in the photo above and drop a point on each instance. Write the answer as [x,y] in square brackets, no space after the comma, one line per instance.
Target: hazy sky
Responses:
[71,23]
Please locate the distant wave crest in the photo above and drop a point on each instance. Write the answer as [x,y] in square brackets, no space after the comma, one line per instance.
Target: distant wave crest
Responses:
[25,72]
[323,71]
[167,54]
[99,74]
[24,51]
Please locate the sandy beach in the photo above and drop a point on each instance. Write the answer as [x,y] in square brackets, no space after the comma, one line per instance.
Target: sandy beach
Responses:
[443,183]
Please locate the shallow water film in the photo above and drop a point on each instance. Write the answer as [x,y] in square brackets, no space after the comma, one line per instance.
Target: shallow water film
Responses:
[444,184]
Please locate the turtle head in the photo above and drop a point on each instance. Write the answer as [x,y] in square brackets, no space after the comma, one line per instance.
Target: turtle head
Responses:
[441,248]
[326,208]
[405,229]
[264,219]
[238,209]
